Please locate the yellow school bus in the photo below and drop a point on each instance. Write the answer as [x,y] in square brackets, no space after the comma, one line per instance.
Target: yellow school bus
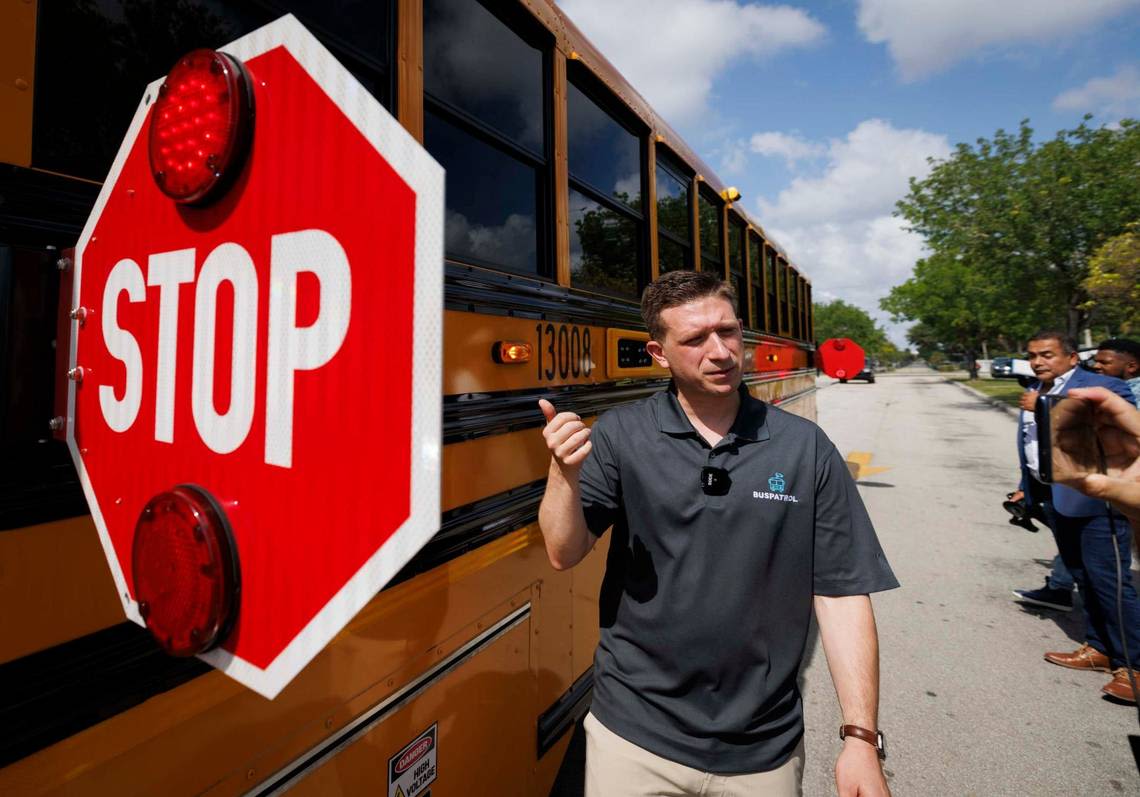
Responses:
[468,674]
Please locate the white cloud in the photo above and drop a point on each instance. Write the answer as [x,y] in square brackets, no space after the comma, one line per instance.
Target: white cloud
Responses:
[926,37]
[837,225]
[733,158]
[508,244]
[789,147]
[1115,96]
[671,51]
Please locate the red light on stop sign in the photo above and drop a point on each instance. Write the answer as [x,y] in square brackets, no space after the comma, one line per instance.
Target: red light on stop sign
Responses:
[185,571]
[200,126]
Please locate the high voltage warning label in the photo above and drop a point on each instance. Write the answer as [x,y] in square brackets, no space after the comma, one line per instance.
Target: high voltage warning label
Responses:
[413,769]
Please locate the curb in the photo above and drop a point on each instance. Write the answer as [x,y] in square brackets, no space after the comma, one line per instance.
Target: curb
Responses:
[993,402]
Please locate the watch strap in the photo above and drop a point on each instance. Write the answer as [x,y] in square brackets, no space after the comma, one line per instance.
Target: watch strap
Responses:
[873,738]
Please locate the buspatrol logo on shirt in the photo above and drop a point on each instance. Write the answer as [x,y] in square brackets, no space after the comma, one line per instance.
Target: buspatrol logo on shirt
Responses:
[776,490]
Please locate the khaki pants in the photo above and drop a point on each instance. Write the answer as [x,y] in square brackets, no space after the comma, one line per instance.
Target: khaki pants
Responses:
[618,768]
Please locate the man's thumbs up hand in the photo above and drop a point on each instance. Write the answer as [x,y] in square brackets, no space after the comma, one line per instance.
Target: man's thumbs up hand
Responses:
[566,436]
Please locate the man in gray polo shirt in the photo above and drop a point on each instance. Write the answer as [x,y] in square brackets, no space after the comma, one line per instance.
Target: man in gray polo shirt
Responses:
[731,520]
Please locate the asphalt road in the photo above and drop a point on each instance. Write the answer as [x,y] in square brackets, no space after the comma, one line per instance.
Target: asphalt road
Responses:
[968,704]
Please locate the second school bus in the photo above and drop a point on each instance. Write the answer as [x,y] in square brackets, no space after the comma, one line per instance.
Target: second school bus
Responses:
[566,194]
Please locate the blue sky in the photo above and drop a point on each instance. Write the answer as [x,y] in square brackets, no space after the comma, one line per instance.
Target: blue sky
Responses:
[820,112]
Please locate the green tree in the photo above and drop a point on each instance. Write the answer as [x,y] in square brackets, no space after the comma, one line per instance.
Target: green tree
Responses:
[1012,226]
[838,319]
[1113,283]
[959,308]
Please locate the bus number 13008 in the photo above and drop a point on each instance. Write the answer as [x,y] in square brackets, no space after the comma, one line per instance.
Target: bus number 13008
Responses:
[563,351]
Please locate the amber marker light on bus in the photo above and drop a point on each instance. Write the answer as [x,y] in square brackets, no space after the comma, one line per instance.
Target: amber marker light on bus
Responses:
[511,352]
[201,126]
[185,569]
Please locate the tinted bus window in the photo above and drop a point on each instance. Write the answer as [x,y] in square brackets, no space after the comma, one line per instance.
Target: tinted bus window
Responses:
[756,275]
[123,46]
[476,64]
[603,248]
[492,199]
[773,303]
[485,122]
[606,219]
[712,258]
[810,314]
[674,219]
[794,301]
[782,290]
[736,273]
[603,154]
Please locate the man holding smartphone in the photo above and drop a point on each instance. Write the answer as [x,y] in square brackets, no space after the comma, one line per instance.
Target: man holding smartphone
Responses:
[731,521]
[1084,532]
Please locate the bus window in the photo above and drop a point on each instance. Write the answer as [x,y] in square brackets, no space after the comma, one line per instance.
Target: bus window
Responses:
[736,274]
[756,276]
[810,313]
[801,287]
[674,217]
[123,46]
[773,286]
[782,291]
[606,218]
[794,301]
[485,122]
[712,253]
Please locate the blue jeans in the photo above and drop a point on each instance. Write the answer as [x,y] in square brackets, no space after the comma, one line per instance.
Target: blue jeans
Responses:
[1059,576]
[1086,549]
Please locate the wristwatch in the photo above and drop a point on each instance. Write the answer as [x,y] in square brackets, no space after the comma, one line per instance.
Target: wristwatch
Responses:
[873,738]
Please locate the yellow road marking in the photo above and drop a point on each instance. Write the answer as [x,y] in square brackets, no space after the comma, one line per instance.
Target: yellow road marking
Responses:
[859,463]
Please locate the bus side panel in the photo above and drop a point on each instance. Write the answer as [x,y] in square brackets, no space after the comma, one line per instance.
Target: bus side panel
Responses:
[587,587]
[55,586]
[236,739]
[17,65]
[484,731]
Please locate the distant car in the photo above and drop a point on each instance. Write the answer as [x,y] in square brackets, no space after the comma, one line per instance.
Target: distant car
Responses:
[866,375]
[1002,368]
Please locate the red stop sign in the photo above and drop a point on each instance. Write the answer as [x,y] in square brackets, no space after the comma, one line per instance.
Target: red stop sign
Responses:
[841,358]
[279,348]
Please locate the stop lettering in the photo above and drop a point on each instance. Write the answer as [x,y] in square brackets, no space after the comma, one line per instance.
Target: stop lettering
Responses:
[278,349]
[291,348]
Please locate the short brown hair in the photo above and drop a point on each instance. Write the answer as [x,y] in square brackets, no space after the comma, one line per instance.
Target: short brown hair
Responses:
[676,288]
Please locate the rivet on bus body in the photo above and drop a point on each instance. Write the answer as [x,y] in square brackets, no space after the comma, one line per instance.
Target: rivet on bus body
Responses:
[21,84]
[131,193]
[76,374]
[328,722]
[249,773]
[79,314]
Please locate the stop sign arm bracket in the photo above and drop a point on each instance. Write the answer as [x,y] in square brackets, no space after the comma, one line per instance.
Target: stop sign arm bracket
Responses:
[63,332]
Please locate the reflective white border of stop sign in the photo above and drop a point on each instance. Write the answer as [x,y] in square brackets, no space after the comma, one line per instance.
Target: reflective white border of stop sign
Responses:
[426,179]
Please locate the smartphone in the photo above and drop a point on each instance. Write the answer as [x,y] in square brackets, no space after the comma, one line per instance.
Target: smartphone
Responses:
[1067,444]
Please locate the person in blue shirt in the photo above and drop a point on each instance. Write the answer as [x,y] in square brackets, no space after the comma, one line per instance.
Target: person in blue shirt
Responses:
[1082,526]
